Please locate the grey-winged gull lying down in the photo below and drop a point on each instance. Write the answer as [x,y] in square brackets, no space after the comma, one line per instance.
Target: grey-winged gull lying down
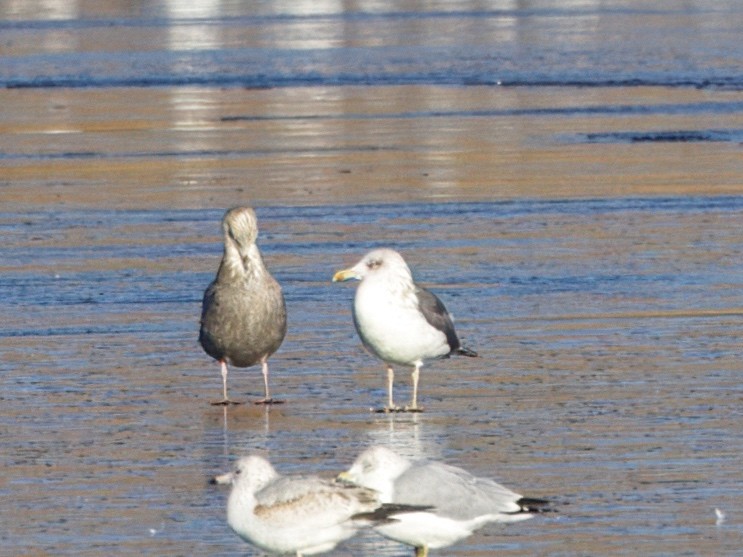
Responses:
[243,316]
[460,502]
[301,515]
[398,321]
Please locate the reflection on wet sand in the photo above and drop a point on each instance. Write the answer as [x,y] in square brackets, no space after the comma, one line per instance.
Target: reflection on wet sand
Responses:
[199,147]
[408,435]
[192,24]
[55,10]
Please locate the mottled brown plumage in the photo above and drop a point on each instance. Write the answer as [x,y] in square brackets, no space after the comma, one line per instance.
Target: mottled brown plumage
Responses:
[243,317]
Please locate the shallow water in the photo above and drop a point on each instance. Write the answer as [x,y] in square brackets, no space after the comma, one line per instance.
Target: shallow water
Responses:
[586,237]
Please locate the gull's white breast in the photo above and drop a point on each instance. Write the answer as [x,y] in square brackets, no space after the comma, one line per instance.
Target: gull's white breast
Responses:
[392,326]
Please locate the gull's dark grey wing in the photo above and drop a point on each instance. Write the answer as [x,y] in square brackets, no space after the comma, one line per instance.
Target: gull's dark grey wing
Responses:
[437,316]
[435,313]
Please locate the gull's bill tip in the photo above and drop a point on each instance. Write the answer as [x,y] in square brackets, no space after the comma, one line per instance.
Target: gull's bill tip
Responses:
[222,479]
[344,275]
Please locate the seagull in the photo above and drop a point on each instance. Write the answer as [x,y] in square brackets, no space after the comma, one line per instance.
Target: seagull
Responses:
[243,316]
[300,515]
[398,321]
[459,502]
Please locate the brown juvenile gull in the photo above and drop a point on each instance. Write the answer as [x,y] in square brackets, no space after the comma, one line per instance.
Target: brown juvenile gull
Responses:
[301,515]
[243,316]
[459,502]
[398,321]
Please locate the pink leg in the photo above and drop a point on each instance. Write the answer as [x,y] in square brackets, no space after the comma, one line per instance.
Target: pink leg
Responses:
[225,401]
[415,375]
[390,381]
[224,379]
[267,398]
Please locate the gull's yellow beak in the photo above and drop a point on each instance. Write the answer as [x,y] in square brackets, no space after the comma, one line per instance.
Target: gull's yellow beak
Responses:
[343,477]
[345,274]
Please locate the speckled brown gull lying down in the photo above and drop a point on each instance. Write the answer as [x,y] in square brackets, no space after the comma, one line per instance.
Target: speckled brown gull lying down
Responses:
[243,316]
[398,321]
[460,503]
[301,515]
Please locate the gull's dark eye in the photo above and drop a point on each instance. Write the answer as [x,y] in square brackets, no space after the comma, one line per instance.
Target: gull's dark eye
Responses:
[374,263]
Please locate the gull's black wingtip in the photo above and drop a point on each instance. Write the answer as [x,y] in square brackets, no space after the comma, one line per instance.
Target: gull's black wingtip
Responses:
[532,505]
[385,513]
[462,351]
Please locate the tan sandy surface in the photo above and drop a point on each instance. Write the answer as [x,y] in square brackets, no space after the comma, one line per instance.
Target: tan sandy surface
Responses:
[193,147]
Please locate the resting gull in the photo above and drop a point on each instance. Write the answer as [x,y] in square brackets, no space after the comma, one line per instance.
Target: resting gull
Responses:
[243,317]
[301,515]
[460,502]
[398,321]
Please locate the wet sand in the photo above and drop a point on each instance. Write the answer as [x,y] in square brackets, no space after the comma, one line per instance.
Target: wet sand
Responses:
[609,376]
[597,273]
[202,147]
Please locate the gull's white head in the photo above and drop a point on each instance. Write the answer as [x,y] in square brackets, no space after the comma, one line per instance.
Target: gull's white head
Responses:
[383,263]
[252,473]
[377,468]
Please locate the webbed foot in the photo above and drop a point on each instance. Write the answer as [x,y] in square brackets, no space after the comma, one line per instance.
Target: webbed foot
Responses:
[269,401]
[396,409]
[225,402]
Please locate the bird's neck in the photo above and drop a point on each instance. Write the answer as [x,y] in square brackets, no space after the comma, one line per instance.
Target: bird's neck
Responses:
[240,505]
[397,286]
[241,262]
